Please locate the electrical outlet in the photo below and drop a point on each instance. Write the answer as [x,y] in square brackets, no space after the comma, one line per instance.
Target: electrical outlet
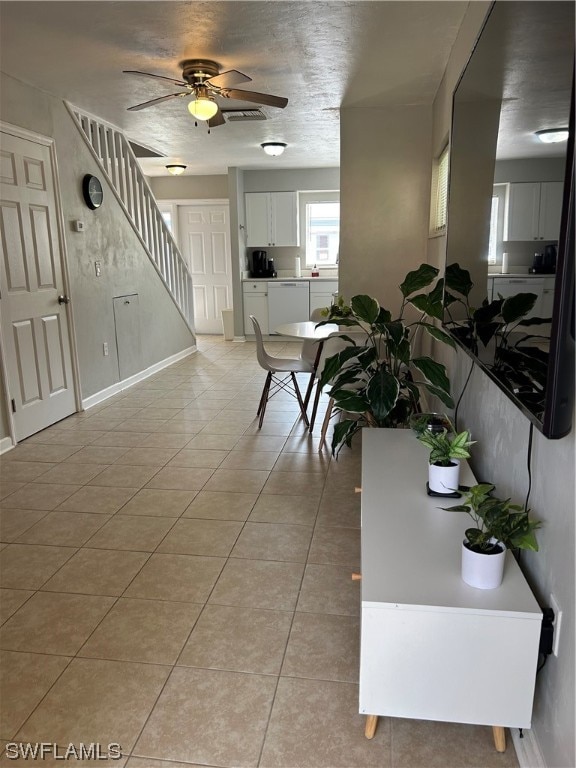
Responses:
[98,268]
[105,348]
[557,623]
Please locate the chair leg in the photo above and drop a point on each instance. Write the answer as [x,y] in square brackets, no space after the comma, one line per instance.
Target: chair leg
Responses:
[325,423]
[315,406]
[299,397]
[266,385]
[264,398]
[309,389]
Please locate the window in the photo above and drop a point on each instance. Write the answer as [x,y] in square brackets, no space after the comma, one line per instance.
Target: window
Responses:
[167,216]
[169,213]
[320,227]
[439,194]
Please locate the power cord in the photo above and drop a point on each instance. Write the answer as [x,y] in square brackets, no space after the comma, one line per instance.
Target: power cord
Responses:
[461,396]
[543,663]
[529,464]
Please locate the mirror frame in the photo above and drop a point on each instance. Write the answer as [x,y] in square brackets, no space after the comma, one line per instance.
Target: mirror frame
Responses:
[555,421]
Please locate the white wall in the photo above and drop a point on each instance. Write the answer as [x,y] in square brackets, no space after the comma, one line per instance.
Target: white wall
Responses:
[500,457]
[189,187]
[384,198]
[313,179]
[109,238]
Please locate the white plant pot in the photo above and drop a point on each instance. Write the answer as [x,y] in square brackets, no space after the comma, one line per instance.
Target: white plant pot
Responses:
[444,479]
[482,571]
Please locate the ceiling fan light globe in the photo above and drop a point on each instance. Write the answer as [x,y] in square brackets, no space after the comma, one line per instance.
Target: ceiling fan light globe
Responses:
[202,108]
[273,148]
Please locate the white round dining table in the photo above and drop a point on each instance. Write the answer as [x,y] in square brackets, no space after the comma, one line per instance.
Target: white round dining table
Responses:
[307,330]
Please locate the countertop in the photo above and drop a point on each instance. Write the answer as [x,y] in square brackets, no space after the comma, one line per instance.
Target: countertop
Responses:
[520,274]
[333,279]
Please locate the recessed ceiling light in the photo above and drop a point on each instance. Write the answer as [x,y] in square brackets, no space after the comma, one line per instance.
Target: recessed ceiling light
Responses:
[274,148]
[176,170]
[553,135]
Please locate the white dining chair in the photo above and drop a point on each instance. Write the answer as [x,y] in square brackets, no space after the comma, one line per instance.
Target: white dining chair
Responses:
[273,384]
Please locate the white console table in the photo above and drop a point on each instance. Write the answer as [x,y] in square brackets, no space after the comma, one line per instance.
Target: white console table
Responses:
[432,647]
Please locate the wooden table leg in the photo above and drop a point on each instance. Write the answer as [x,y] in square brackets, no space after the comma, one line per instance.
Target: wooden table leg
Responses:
[371,723]
[499,738]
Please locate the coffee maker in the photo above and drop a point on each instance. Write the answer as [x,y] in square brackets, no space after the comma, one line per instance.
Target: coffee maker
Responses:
[545,263]
[260,265]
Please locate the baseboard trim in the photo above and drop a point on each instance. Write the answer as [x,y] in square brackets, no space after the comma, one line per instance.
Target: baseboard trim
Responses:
[104,394]
[239,339]
[6,444]
[527,749]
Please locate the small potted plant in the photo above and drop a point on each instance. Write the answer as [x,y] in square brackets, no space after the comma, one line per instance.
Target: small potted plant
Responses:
[498,525]
[446,450]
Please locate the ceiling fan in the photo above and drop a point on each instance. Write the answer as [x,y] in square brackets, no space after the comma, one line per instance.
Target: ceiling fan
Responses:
[203,81]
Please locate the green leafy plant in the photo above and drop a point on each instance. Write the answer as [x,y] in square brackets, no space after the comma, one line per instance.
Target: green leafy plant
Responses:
[495,333]
[379,380]
[496,520]
[444,446]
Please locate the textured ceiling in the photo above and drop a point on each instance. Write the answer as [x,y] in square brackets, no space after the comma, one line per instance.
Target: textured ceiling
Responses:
[320,55]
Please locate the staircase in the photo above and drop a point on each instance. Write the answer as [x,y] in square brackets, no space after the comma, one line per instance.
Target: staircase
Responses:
[118,162]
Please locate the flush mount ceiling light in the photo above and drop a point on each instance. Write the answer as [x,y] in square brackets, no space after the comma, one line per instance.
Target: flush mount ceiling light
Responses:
[203,107]
[176,170]
[553,135]
[274,148]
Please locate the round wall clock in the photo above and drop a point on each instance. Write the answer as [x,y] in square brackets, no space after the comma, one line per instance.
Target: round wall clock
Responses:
[92,191]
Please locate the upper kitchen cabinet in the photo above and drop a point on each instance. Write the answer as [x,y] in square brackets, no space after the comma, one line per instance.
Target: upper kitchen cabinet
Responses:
[271,219]
[534,210]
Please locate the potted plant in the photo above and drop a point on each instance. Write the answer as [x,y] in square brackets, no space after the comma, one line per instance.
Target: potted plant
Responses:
[498,525]
[446,450]
[378,381]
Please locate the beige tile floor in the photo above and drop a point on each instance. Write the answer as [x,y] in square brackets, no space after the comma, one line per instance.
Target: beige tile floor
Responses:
[178,582]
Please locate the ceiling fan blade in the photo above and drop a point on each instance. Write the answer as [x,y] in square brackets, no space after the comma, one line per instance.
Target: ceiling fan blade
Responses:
[157,77]
[228,78]
[146,104]
[253,96]
[217,120]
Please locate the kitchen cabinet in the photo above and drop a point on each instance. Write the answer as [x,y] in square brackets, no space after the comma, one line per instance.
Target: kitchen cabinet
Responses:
[547,303]
[271,219]
[322,294]
[432,647]
[542,286]
[307,295]
[534,210]
[255,297]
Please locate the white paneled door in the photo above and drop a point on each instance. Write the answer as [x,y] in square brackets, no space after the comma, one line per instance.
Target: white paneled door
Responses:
[205,244]
[35,334]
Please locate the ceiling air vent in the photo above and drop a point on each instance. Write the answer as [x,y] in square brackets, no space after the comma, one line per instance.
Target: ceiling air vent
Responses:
[238,115]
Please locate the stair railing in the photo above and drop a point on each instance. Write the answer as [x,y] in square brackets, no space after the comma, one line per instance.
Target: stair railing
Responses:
[118,162]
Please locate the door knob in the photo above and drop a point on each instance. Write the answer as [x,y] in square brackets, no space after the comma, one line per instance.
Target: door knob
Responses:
[63,299]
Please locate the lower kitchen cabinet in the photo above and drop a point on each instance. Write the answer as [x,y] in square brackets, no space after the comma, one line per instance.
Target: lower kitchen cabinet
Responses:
[541,285]
[321,294]
[255,297]
[256,301]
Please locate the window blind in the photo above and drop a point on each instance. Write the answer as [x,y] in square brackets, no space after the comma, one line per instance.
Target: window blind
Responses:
[439,194]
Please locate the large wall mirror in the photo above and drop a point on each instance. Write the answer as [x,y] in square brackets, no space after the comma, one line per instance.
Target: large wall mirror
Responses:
[509,299]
